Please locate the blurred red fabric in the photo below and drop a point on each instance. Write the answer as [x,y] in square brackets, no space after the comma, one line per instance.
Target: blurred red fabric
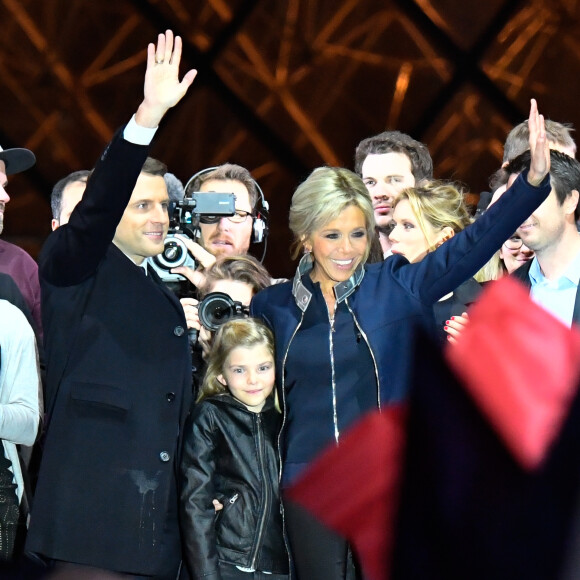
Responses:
[353,488]
[521,365]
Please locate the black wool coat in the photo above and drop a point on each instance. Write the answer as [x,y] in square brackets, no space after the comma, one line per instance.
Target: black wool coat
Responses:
[118,390]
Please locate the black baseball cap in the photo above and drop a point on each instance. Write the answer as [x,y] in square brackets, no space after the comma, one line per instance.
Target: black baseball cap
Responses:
[17,159]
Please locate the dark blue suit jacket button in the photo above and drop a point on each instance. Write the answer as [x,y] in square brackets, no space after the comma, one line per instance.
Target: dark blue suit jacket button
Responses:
[170,397]
[164,456]
[179,331]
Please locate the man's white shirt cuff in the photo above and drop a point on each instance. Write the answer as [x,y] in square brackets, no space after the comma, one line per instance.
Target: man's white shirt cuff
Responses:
[134,133]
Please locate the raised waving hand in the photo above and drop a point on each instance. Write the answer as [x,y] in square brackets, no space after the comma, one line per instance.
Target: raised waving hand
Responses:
[539,147]
[162,88]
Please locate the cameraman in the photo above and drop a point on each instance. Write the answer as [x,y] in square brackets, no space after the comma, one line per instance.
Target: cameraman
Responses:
[230,235]
[240,277]
[209,236]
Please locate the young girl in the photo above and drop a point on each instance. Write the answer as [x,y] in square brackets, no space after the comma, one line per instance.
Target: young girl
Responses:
[230,455]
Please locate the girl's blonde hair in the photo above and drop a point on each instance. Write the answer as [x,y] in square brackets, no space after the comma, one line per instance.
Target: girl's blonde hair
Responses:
[244,332]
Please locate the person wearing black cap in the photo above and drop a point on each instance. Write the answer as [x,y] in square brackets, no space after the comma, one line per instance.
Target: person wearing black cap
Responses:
[14,261]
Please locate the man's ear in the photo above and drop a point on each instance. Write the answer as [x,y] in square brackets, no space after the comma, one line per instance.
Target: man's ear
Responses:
[571,202]
[221,379]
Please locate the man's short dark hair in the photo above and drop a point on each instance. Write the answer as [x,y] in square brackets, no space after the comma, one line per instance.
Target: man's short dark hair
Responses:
[564,174]
[396,142]
[80,176]
[151,167]
[228,172]
[518,139]
[154,167]
[498,178]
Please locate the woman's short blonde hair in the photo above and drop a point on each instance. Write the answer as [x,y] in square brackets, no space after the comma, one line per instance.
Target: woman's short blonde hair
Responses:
[318,200]
[440,204]
[244,332]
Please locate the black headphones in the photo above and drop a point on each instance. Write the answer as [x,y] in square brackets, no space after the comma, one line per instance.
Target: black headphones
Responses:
[260,216]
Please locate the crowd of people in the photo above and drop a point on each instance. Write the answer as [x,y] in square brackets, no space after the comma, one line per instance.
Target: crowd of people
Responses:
[165,441]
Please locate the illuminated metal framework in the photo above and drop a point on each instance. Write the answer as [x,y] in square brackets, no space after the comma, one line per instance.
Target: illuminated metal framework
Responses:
[283,86]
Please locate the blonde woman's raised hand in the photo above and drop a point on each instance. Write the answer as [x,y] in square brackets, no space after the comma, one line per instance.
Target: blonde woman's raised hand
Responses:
[539,146]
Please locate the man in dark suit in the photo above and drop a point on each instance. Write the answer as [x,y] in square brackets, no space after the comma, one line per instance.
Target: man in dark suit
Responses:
[118,376]
[553,274]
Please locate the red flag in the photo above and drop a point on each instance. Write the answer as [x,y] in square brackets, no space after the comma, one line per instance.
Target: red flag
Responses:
[353,488]
[521,366]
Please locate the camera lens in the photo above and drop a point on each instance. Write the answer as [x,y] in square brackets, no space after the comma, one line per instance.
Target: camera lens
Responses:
[215,309]
[174,254]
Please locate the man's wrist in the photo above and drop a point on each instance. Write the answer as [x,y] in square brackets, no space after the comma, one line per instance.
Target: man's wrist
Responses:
[135,133]
[149,116]
[534,179]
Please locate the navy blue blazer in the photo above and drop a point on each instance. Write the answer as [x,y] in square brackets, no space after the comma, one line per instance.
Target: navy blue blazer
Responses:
[394,296]
[118,389]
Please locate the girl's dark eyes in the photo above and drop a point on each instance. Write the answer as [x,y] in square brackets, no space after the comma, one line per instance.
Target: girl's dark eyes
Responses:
[359,234]
[408,226]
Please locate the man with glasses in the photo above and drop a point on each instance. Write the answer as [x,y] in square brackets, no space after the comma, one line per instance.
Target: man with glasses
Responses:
[220,237]
[229,235]
[514,253]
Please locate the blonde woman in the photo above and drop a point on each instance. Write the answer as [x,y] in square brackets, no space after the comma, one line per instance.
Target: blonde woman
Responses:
[344,329]
[425,217]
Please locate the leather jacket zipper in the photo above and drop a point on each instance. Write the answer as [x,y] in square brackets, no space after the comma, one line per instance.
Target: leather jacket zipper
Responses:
[283,403]
[265,492]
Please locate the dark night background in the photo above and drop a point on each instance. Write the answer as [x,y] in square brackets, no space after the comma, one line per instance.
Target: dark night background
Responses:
[284,86]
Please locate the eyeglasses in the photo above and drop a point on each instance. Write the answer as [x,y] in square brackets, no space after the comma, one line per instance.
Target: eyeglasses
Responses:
[514,243]
[238,218]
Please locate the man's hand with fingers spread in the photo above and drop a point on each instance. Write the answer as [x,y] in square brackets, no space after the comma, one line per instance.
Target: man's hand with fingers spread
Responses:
[162,88]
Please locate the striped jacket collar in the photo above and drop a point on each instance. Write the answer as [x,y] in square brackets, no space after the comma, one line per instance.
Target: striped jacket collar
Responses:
[342,290]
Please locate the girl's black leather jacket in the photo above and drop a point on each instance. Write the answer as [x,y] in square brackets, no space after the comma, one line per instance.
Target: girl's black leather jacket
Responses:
[230,454]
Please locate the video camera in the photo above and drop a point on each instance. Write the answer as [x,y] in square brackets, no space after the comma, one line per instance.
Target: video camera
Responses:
[185,217]
[217,308]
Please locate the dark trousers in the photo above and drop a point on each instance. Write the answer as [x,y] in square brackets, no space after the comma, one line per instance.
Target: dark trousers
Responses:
[317,552]
[70,571]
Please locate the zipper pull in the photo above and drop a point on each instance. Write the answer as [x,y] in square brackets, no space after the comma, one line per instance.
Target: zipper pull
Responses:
[234,498]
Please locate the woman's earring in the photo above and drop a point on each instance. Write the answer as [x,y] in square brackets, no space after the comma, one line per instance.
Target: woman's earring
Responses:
[307,249]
